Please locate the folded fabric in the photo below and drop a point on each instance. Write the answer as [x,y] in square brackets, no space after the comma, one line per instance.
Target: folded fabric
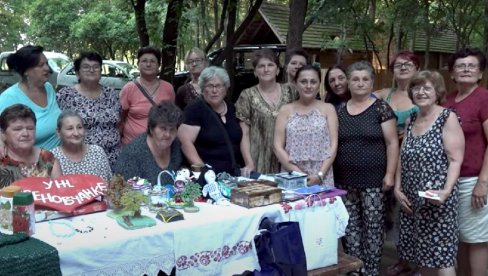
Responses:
[21,255]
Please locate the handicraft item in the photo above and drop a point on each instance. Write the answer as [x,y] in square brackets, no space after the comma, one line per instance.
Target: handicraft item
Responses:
[256,195]
[6,209]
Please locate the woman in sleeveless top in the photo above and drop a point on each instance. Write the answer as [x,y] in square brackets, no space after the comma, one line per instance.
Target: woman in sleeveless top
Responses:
[430,161]
[305,137]
[404,66]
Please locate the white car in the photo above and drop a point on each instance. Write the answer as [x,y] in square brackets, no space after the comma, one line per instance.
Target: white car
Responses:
[115,74]
[56,61]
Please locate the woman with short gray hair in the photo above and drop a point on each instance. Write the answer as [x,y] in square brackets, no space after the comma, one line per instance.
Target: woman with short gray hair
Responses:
[365,165]
[211,133]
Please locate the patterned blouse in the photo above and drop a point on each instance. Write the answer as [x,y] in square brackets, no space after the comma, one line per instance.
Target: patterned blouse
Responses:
[12,170]
[101,117]
[252,109]
[94,162]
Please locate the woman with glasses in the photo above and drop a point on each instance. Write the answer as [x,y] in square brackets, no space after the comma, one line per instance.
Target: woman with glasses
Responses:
[97,105]
[137,97]
[404,66]
[430,161]
[34,91]
[470,101]
[210,133]
[195,63]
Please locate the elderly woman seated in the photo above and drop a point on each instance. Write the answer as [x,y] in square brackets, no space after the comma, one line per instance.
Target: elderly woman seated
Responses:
[156,150]
[211,133]
[74,156]
[18,126]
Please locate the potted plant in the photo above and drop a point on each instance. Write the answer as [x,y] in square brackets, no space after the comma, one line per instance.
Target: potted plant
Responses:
[116,188]
[132,201]
[189,194]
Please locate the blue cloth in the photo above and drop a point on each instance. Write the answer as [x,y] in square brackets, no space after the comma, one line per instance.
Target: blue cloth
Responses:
[47,116]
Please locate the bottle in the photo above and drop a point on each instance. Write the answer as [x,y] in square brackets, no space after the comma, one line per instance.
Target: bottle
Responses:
[23,215]
[6,208]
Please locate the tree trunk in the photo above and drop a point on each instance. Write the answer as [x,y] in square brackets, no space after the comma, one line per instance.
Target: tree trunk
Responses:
[170,35]
[140,11]
[485,31]
[245,23]
[296,23]
[220,28]
[229,55]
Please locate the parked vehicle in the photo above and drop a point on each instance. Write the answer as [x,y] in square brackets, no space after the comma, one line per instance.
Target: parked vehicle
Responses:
[244,71]
[115,74]
[56,61]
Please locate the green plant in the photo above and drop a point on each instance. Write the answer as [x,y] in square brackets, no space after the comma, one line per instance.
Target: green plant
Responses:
[191,191]
[132,201]
[116,188]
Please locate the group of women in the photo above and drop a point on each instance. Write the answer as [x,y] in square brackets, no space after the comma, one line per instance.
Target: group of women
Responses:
[351,140]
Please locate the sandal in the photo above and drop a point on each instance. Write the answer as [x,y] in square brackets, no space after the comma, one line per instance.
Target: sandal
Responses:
[398,269]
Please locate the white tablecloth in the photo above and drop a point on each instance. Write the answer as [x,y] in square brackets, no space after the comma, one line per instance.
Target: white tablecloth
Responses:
[218,240]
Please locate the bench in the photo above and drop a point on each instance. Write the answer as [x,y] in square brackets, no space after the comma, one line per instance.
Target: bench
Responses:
[345,264]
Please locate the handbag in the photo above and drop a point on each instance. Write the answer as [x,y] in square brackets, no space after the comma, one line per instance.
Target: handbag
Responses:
[236,170]
[144,92]
[280,249]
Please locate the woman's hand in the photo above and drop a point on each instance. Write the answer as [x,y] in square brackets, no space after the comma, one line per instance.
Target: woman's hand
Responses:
[478,197]
[388,182]
[313,180]
[443,195]
[405,204]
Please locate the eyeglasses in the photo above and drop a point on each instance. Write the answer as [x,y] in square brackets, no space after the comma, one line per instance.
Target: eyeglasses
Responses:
[88,68]
[426,89]
[407,65]
[196,61]
[211,87]
[464,67]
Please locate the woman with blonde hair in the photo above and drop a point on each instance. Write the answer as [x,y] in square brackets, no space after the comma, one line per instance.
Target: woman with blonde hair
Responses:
[195,62]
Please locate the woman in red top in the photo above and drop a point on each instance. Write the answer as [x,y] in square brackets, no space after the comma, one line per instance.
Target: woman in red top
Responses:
[470,102]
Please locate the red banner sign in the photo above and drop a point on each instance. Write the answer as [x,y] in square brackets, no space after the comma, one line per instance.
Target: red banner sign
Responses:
[65,193]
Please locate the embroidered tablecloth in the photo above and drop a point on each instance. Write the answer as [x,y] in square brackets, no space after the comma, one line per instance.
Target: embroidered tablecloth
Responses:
[218,240]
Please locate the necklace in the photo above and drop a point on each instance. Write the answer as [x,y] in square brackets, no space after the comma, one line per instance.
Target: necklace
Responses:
[222,114]
[64,230]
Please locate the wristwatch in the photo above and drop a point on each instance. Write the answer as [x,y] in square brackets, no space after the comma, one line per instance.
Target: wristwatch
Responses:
[321,176]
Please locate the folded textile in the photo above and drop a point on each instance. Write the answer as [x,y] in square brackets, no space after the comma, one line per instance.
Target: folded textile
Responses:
[21,255]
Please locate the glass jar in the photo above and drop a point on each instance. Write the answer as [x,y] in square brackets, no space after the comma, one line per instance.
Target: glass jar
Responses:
[23,215]
[6,208]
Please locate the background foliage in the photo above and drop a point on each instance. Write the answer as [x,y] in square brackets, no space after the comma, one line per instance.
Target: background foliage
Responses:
[109,26]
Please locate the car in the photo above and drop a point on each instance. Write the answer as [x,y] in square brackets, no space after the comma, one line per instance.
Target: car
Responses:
[244,71]
[56,61]
[115,74]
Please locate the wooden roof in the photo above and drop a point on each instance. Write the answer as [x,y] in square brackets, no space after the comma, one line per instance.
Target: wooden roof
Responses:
[270,26]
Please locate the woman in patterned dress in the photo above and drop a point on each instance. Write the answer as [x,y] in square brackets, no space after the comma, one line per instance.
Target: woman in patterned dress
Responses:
[23,159]
[306,131]
[430,161]
[97,105]
[257,108]
[74,156]
[365,165]
[195,63]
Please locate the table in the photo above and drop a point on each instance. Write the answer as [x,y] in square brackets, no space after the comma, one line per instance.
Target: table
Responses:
[218,240]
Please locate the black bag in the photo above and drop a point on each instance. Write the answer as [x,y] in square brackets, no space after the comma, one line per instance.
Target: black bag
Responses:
[280,249]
